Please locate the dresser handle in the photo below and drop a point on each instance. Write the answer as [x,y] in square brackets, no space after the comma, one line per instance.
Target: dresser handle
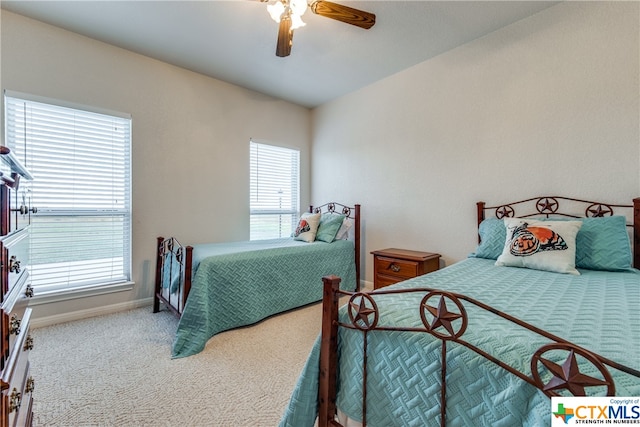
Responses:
[28,291]
[31,385]
[14,264]
[14,325]
[15,400]
[28,343]
[394,267]
[25,210]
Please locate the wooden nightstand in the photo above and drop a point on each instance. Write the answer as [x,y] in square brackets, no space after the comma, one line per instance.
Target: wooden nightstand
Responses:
[395,265]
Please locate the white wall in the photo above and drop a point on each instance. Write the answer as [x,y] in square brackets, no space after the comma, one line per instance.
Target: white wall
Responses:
[546,106]
[190,137]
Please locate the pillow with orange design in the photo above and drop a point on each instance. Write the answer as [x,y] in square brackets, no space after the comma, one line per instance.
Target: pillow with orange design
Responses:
[540,245]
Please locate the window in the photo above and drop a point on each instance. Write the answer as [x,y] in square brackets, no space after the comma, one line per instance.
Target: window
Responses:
[274,191]
[80,161]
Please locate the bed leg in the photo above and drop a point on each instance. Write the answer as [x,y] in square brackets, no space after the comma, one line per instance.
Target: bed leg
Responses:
[328,352]
[188,268]
[157,288]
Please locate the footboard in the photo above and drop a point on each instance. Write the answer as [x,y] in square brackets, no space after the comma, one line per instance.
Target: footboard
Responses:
[559,368]
[173,275]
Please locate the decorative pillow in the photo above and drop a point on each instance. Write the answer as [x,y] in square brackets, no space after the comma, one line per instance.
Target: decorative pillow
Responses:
[603,244]
[329,226]
[307,227]
[493,234]
[343,232]
[540,245]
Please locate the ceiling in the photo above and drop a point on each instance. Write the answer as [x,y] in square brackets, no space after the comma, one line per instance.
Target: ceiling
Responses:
[235,40]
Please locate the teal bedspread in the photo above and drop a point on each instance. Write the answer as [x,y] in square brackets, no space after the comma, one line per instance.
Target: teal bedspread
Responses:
[238,284]
[597,310]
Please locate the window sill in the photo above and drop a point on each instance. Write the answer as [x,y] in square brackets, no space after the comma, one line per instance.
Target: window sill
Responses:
[83,292]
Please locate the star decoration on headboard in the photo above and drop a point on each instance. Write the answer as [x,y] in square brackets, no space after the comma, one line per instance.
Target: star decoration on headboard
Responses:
[547,205]
[505,211]
[599,210]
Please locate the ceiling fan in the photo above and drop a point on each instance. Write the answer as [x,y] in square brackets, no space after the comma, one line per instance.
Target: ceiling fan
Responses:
[288,13]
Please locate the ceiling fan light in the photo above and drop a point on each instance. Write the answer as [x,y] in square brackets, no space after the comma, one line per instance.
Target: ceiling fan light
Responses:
[275,10]
[296,21]
[298,7]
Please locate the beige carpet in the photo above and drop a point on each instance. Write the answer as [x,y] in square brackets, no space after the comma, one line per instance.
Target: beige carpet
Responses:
[116,370]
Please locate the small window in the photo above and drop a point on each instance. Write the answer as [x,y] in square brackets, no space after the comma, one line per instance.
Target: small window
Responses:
[80,161]
[274,191]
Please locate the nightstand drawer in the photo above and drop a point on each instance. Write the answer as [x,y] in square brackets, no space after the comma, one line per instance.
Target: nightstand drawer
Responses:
[395,265]
[396,268]
[381,281]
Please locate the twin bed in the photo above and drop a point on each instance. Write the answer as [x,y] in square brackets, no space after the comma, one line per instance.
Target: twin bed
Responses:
[483,344]
[221,286]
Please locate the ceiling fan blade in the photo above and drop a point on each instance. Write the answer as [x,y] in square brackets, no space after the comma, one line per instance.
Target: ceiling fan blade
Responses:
[342,13]
[285,37]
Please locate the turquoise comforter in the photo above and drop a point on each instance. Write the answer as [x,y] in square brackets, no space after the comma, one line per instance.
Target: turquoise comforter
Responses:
[238,284]
[597,310]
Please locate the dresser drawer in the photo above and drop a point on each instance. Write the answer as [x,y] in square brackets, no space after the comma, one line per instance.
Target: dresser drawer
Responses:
[14,250]
[14,320]
[16,380]
[18,400]
[396,268]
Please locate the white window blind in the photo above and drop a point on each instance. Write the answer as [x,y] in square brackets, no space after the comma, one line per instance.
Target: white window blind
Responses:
[274,191]
[80,161]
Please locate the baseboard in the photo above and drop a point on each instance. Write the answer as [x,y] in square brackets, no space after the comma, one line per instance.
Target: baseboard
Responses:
[40,322]
[84,314]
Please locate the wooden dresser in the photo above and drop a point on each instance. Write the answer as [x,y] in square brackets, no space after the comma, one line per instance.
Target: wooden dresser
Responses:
[395,265]
[16,383]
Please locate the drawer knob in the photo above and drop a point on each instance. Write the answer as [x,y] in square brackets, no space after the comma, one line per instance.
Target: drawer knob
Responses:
[394,267]
[28,343]
[14,325]
[14,264]
[30,386]
[15,400]
[28,291]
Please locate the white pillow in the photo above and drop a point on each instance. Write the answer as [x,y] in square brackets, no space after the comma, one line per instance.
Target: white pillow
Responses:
[343,231]
[540,245]
[307,227]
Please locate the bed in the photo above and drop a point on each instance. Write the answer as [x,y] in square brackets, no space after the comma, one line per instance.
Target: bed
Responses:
[220,286]
[477,343]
